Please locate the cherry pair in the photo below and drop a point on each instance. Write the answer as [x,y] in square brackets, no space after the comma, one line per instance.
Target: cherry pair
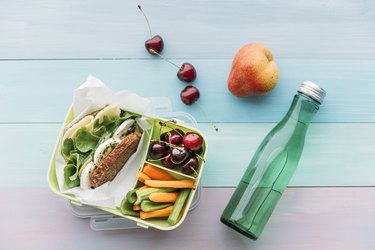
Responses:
[186,72]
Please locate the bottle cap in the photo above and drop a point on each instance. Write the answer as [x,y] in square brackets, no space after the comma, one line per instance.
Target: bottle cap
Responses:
[312,90]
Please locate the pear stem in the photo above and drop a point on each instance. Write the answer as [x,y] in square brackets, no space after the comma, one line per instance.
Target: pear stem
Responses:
[165,59]
[148,23]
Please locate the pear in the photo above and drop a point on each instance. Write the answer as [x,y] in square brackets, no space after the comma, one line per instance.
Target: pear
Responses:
[254,72]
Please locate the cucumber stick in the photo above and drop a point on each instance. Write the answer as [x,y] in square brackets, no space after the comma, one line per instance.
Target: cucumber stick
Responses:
[126,208]
[131,196]
[148,206]
[178,205]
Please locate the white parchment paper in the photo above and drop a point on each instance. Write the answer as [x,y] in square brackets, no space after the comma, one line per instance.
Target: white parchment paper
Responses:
[89,97]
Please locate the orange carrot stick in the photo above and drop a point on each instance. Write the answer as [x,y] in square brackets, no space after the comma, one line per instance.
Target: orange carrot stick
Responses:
[163,197]
[136,207]
[156,173]
[143,187]
[170,184]
[164,212]
[142,177]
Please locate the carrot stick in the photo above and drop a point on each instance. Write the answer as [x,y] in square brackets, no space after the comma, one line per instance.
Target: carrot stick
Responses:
[163,197]
[164,212]
[142,177]
[136,207]
[145,193]
[170,184]
[143,187]
[156,173]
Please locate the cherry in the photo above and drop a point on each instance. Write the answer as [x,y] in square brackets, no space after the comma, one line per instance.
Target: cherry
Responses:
[189,95]
[155,43]
[166,161]
[189,164]
[178,155]
[157,150]
[199,151]
[187,73]
[174,137]
[192,141]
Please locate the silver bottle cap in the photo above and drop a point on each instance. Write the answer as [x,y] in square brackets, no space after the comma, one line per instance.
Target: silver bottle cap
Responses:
[312,90]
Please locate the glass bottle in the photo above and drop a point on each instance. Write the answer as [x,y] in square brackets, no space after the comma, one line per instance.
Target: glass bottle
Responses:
[273,165]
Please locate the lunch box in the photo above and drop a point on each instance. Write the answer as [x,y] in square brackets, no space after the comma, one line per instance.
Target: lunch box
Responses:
[104,218]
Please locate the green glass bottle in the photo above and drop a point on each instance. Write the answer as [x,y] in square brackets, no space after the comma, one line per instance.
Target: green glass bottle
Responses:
[273,165]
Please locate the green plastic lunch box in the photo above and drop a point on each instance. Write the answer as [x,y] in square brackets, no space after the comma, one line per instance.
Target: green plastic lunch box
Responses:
[104,218]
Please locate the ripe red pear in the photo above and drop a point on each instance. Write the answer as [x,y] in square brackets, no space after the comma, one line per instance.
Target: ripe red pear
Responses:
[254,71]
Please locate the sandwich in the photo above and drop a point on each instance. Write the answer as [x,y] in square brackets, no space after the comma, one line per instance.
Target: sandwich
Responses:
[97,146]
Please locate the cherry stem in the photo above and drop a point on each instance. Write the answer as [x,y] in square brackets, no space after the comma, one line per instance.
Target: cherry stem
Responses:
[200,157]
[165,59]
[208,117]
[195,172]
[164,124]
[148,23]
[162,158]
[169,144]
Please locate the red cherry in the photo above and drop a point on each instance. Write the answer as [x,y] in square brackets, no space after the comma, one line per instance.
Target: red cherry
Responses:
[154,44]
[178,155]
[157,150]
[189,95]
[192,141]
[190,165]
[187,73]
[166,161]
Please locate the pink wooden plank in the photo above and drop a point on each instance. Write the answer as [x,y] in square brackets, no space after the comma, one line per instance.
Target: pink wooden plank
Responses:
[306,218]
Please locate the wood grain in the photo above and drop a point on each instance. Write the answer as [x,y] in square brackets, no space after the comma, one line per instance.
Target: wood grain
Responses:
[305,218]
[191,29]
[41,91]
[335,154]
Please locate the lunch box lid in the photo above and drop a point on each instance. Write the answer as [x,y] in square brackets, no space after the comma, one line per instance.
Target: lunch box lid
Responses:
[101,220]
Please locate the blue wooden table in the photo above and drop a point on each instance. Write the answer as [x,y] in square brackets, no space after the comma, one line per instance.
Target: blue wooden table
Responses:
[47,49]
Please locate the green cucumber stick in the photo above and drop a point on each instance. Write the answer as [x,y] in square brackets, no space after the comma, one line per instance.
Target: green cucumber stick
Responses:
[178,205]
[126,208]
[148,206]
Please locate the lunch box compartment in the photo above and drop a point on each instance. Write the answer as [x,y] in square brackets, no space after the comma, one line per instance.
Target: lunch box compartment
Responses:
[159,129]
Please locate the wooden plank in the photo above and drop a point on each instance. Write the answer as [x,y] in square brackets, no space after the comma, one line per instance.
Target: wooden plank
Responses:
[41,91]
[335,154]
[191,29]
[305,218]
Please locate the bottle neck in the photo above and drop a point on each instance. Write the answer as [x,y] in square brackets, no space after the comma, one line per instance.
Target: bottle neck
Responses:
[302,109]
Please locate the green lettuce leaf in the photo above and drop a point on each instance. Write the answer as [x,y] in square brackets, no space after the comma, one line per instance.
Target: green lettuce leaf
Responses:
[76,158]
[108,124]
[68,147]
[87,160]
[85,141]
[70,170]
[76,162]
[128,115]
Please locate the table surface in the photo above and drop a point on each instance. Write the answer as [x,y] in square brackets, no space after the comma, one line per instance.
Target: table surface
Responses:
[48,48]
